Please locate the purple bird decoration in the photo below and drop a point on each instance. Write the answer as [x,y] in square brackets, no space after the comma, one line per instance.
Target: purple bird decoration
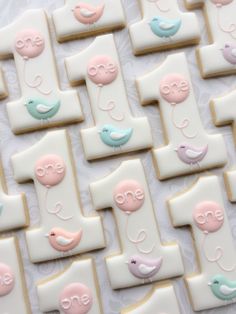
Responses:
[229,53]
[190,154]
[144,268]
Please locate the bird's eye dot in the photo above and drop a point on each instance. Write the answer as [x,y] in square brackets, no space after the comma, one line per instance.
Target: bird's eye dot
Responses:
[216,282]
[133,262]
[52,233]
[226,46]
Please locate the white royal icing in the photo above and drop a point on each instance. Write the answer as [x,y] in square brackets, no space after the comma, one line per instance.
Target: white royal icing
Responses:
[138,231]
[192,134]
[59,205]
[145,40]
[17,298]
[112,95]
[208,245]
[13,208]
[161,300]
[37,75]
[222,30]
[81,271]
[112,18]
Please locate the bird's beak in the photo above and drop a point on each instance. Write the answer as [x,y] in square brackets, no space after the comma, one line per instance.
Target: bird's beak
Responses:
[209,284]
[46,235]
[99,132]
[175,149]
[25,104]
[126,262]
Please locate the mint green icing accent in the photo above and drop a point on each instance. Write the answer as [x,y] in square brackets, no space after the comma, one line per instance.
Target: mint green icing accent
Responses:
[42,109]
[223,288]
[115,137]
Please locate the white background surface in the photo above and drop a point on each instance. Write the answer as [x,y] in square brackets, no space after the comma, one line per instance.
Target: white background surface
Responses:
[113,301]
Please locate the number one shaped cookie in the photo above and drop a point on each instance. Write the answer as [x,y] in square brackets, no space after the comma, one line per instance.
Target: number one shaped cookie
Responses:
[143,258]
[63,229]
[83,18]
[202,208]
[218,58]
[161,300]
[73,291]
[42,103]
[163,26]
[188,147]
[116,131]
[13,292]
[13,208]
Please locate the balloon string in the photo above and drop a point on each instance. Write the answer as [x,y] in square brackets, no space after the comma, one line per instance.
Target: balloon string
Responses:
[109,107]
[183,125]
[218,255]
[142,236]
[158,6]
[57,208]
[230,29]
[37,82]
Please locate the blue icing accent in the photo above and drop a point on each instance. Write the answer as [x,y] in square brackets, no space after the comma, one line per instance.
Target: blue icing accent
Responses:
[41,109]
[223,288]
[115,137]
[163,27]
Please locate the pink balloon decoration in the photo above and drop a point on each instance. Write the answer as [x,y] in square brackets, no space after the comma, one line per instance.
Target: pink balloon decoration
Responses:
[174,88]
[102,70]
[29,43]
[208,216]
[76,298]
[129,196]
[7,279]
[50,170]
[221,2]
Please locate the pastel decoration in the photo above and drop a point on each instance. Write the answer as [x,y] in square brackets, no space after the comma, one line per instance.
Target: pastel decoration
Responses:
[76,298]
[42,103]
[88,14]
[187,147]
[222,2]
[129,196]
[223,288]
[115,137]
[208,216]
[229,52]
[163,26]
[50,170]
[29,43]
[7,279]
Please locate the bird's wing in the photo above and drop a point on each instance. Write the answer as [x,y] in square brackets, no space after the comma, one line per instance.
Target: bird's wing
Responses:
[87,13]
[233,52]
[117,136]
[63,241]
[192,154]
[225,290]
[166,25]
[145,270]
[43,109]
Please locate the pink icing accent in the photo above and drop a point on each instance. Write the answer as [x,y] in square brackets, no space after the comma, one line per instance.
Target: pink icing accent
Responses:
[87,13]
[221,2]
[50,170]
[76,298]
[174,88]
[129,195]
[228,52]
[208,216]
[29,43]
[102,70]
[7,279]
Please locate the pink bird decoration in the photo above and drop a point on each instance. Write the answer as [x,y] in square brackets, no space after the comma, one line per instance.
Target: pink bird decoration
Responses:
[190,154]
[88,14]
[62,240]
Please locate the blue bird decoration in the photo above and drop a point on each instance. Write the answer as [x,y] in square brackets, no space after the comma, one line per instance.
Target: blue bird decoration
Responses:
[223,288]
[41,109]
[165,28]
[115,137]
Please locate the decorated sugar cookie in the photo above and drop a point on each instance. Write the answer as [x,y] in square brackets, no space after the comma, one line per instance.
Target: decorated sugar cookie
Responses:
[83,18]
[188,147]
[202,208]
[75,291]
[163,26]
[63,229]
[161,300]
[42,103]
[224,111]
[13,292]
[219,57]
[143,257]
[13,208]
[115,129]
